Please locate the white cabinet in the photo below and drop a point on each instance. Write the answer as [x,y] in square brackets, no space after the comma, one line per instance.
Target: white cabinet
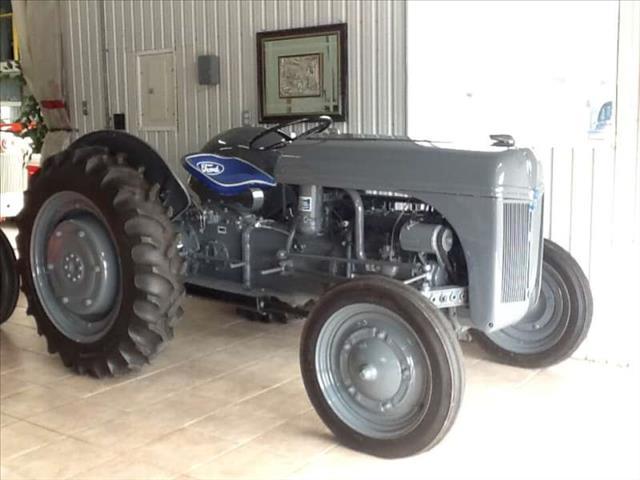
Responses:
[157,90]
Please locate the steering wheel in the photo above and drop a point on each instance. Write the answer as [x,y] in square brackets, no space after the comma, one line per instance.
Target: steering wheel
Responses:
[323,122]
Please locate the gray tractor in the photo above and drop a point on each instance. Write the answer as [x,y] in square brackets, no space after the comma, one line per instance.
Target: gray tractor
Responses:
[392,248]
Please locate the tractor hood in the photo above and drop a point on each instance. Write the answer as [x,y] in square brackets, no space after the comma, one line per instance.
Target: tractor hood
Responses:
[399,164]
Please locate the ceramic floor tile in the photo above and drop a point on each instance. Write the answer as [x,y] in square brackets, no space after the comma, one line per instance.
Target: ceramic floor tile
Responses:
[12,383]
[229,389]
[146,390]
[208,367]
[22,300]
[125,469]
[6,420]
[226,383]
[21,437]
[45,371]
[34,400]
[180,409]
[484,374]
[183,450]
[192,325]
[246,352]
[210,340]
[266,377]
[247,462]
[285,401]
[336,464]
[237,423]
[7,473]
[128,431]
[59,460]
[223,361]
[84,385]
[13,358]
[204,343]
[20,317]
[74,416]
[276,369]
[297,439]
[204,309]
[17,336]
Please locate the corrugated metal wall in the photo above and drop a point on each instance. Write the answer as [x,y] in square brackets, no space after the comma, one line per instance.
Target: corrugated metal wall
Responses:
[591,213]
[376,33]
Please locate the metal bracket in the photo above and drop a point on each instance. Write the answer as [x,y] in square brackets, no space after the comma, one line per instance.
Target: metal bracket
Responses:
[446,297]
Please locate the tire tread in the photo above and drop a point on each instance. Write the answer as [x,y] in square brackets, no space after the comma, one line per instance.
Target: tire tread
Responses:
[151,235]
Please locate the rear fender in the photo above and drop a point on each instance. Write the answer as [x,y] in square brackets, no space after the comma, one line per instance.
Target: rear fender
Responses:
[140,154]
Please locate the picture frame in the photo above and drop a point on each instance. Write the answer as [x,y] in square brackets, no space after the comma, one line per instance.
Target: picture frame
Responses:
[302,72]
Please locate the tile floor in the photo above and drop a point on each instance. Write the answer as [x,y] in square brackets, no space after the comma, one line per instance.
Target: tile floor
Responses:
[225,400]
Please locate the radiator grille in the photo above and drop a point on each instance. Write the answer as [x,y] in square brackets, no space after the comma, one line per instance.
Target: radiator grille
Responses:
[515,251]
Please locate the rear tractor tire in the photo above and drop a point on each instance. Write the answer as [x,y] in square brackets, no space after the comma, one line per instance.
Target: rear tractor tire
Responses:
[9,279]
[99,262]
[556,325]
[382,367]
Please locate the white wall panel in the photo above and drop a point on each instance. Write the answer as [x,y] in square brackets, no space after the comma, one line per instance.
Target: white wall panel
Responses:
[377,100]
[592,188]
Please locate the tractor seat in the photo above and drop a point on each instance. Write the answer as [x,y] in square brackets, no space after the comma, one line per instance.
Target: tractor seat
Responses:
[226,175]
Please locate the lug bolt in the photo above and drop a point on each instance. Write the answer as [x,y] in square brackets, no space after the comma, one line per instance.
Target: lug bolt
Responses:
[65,300]
[386,406]
[97,269]
[352,390]
[58,234]
[81,233]
[50,266]
[368,373]
[346,346]
[88,302]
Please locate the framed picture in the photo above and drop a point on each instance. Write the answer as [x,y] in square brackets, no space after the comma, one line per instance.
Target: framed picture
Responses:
[302,72]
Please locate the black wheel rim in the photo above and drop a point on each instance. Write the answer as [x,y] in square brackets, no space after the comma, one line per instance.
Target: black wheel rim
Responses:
[75,267]
[373,371]
[544,325]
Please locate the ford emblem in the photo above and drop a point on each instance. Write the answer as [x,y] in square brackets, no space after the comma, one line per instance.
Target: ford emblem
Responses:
[211,168]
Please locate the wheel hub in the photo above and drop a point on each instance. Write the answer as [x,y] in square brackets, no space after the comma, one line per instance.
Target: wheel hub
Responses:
[542,327]
[79,259]
[368,373]
[374,370]
[75,266]
[373,365]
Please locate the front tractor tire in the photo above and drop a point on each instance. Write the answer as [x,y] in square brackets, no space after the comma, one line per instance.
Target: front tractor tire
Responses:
[99,262]
[382,367]
[9,280]
[556,325]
